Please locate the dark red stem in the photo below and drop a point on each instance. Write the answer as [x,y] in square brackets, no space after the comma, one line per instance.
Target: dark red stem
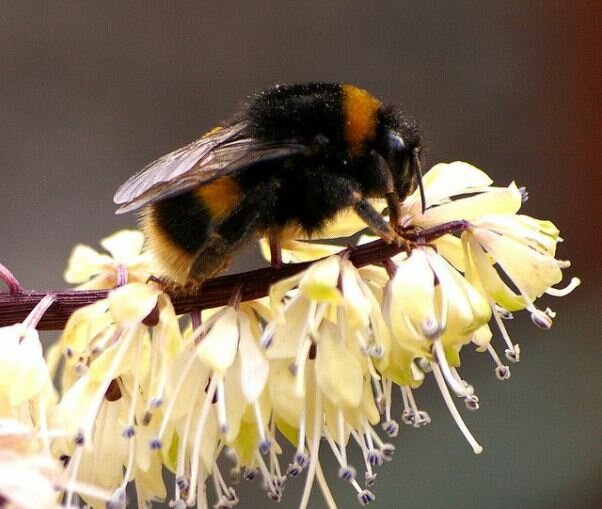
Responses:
[18,303]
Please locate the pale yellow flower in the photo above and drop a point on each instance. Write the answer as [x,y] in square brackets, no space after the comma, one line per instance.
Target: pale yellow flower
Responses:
[317,363]
[29,477]
[110,392]
[126,262]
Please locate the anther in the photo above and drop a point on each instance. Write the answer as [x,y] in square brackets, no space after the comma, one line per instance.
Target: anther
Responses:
[513,354]
[543,319]
[472,402]
[391,428]
[422,418]
[364,497]
[387,451]
[155,444]
[502,372]
[265,446]
[250,474]
[128,432]
[347,473]
[374,457]
[183,483]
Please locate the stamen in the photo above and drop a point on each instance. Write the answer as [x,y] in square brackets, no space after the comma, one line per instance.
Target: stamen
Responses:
[335,449]
[173,399]
[299,366]
[226,496]
[267,338]
[73,470]
[364,497]
[341,437]
[542,318]
[379,398]
[265,444]
[250,474]
[417,418]
[472,402]
[129,430]
[300,456]
[314,450]
[501,372]
[36,314]
[389,426]
[459,388]
[128,471]
[198,437]
[274,463]
[271,486]
[222,420]
[328,498]
[118,499]
[504,313]
[97,400]
[374,457]
[431,329]
[512,350]
[461,381]
[408,414]
[563,264]
[453,410]
[360,441]
[513,355]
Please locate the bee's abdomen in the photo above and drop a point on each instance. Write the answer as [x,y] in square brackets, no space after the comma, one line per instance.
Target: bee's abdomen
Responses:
[184,219]
[176,228]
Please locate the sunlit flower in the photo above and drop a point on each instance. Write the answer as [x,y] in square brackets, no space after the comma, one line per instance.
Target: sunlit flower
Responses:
[106,389]
[317,363]
[29,477]
[26,388]
[126,262]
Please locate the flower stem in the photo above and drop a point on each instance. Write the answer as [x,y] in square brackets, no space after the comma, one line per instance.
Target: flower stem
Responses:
[14,287]
[18,303]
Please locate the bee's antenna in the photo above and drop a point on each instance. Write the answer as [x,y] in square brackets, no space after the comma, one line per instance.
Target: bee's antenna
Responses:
[418,174]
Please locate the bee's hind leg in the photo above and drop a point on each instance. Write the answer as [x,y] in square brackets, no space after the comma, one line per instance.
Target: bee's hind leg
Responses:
[216,253]
[275,250]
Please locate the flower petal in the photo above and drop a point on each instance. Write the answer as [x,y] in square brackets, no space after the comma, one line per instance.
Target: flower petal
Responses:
[124,245]
[218,348]
[338,372]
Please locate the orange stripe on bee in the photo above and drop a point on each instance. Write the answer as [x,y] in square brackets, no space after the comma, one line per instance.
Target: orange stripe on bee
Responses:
[360,113]
[213,131]
[220,197]
[174,262]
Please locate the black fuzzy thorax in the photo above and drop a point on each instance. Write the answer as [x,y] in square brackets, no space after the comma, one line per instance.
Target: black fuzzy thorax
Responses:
[300,111]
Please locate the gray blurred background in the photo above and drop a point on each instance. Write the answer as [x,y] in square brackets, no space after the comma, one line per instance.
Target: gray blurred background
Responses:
[90,92]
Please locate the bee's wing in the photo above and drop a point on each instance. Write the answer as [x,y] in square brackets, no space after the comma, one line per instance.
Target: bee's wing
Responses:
[222,153]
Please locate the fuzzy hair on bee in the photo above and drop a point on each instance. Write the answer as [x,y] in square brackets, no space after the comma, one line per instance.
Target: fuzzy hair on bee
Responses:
[293,158]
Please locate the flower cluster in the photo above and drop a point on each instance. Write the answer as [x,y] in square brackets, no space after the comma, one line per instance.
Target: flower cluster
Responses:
[314,364]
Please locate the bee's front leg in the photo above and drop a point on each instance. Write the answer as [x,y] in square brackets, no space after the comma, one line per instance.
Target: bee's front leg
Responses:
[376,222]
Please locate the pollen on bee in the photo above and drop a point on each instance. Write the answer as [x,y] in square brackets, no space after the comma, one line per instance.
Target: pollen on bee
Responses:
[220,197]
[359,110]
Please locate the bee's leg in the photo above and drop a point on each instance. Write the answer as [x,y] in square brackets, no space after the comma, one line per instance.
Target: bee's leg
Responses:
[394,206]
[376,222]
[215,254]
[275,251]
[387,184]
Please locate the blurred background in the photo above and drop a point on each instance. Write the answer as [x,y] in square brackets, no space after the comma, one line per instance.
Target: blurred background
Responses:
[91,92]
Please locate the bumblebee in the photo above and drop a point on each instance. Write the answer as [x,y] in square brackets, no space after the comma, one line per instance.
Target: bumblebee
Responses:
[291,159]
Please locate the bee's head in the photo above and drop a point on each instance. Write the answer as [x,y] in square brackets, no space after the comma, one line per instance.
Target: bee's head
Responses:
[399,143]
